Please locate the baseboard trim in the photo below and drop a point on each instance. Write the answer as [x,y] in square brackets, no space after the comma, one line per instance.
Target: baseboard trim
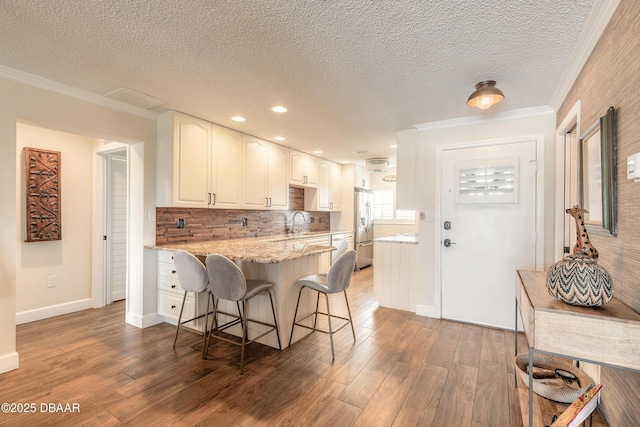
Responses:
[144,321]
[52,311]
[427,311]
[9,362]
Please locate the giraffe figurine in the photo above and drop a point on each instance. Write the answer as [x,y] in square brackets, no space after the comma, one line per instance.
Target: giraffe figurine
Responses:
[583,244]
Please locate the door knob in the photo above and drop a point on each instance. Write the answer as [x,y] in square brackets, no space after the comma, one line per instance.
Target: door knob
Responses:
[448,242]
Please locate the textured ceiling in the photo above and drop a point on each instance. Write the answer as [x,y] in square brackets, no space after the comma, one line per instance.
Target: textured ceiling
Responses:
[351,72]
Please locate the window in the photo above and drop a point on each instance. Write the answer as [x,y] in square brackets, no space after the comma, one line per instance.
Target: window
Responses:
[384,209]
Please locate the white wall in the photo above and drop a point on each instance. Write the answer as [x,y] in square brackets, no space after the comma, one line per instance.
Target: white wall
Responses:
[22,103]
[425,142]
[68,259]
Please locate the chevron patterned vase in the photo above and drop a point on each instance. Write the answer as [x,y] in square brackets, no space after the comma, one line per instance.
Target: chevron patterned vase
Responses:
[579,280]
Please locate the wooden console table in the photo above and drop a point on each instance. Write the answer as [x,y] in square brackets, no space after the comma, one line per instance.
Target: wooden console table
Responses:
[607,335]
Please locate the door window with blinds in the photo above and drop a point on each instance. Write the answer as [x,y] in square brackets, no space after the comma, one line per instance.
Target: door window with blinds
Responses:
[384,209]
[487,181]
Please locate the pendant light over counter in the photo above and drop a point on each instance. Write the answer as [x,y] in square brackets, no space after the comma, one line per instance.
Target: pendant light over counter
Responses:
[485,95]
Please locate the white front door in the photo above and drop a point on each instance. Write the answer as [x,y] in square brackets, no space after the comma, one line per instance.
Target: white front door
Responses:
[488,213]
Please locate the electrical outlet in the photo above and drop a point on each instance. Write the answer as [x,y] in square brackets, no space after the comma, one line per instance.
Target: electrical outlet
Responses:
[51,282]
[245,222]
[180,223]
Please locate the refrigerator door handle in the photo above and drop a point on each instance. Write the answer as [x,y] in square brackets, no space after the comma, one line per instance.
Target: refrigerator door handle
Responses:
[365,244]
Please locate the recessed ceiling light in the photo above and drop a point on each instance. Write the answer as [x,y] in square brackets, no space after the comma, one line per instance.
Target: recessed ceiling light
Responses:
[279,109]
[394,146]
[362,152]
[279,138]
[317,151]
[238,119]
[345,161]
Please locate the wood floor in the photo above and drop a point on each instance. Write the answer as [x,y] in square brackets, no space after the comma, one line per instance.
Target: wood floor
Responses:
[404,370]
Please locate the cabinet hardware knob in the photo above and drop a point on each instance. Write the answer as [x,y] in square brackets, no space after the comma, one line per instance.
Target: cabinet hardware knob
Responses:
[173,272]
[173,286]
[173,306]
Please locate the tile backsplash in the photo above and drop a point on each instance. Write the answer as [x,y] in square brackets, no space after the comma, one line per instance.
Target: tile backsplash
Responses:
[213,224]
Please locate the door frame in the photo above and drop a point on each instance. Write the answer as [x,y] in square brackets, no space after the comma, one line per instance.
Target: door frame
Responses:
[108,187]
[99,257]
[540,191]
[563,180]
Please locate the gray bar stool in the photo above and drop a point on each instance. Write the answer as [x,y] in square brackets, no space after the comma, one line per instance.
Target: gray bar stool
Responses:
[228,283]
[192,276]
[336,280]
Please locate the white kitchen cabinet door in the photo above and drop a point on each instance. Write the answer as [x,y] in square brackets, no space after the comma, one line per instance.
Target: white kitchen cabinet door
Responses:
[303,169]
[363,178]
[336,187]
[278,177]
[324,185]
[226,176]
[255,173]
[184,154]
[311,170]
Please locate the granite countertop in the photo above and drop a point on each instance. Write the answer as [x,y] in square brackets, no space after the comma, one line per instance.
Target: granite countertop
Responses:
[410,239]
[263,250]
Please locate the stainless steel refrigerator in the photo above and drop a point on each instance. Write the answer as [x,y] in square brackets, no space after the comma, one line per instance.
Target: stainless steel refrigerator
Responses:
[363,228]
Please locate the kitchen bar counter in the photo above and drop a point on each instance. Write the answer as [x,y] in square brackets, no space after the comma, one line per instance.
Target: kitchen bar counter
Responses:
[255,249]
[279,259]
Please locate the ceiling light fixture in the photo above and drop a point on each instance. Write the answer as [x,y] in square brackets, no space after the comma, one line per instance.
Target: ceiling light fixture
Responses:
[317,151]
[394,146]
[485,95]
[279,138]
[378,165]
[238,119]
[280,109]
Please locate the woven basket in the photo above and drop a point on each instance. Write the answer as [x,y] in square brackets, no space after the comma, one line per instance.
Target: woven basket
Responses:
[553,388]
[579,280]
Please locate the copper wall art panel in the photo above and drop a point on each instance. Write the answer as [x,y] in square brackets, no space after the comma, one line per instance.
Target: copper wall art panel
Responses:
[43,195]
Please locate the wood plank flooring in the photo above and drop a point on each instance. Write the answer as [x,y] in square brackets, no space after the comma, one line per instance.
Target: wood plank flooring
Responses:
[404,370]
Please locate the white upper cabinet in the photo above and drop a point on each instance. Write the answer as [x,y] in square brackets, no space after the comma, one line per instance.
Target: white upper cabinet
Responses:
[303,169]
[363,178]
[198,164]
[329,194]
[226,176]
[324,185]
[183,160]
[336,187]
[278,177]
[265,174]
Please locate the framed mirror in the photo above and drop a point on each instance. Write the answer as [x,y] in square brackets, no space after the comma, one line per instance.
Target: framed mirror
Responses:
[597,183]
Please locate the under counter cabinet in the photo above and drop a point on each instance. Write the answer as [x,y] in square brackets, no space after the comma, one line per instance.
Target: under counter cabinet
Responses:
[170,295]
[198,163]
[265,175]
[303,169]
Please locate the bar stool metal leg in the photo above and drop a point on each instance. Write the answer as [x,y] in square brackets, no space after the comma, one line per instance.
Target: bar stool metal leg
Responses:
[333,357]
[350,319]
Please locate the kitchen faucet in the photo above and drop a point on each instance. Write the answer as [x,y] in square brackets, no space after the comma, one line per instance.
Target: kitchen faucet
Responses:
[293,223]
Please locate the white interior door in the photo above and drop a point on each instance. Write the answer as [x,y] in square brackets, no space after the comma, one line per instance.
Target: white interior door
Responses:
[488,198]
[116,227]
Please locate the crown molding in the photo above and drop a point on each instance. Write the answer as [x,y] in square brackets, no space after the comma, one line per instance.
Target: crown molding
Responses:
[522,113]
[62,89]
[595,24]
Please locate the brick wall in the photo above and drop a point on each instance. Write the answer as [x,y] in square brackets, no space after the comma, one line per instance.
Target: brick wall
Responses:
[214,224]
